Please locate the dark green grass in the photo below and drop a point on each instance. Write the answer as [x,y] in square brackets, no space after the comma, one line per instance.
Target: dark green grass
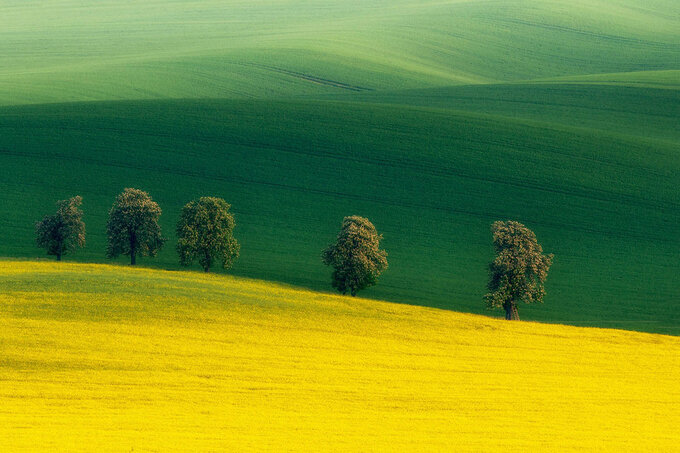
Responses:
[431,179]
[637,111]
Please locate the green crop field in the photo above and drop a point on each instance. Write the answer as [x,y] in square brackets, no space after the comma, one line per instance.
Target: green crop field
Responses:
[118,49]
[431,118]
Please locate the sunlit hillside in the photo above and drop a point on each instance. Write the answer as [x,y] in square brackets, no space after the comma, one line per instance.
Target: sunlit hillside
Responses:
[66,50]
[103,358]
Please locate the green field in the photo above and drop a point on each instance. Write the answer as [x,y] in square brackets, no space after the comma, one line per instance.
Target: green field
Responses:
[432,119]
[66,50]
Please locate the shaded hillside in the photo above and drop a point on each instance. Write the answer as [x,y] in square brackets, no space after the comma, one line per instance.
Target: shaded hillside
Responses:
[605,202]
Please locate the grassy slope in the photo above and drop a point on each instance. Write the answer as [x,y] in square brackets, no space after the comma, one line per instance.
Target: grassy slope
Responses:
[150,360]
[432,179]
[590,162]
[669,79]
[65,50]
[626,108]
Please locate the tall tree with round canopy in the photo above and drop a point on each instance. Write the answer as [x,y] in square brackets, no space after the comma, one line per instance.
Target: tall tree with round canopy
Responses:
[356,256]
[133,227]
[64,231]
[205,233]
[519,271]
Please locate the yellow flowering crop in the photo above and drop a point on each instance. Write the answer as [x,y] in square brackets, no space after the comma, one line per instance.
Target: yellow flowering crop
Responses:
[104,358]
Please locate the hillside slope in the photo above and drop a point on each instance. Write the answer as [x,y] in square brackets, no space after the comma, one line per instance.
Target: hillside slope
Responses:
[647,106]
[104,358]
[67,50]
[432,181]
[432,118]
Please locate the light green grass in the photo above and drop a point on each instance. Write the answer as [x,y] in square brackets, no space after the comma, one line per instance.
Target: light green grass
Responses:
[653,79]
[69,51]
[105,358]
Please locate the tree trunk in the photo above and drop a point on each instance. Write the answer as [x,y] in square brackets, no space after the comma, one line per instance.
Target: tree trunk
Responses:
[133,251]
[515,313]
[511,312]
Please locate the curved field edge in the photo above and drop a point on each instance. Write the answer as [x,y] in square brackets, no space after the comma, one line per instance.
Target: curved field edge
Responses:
[110,358]
[668,79]
[641,111]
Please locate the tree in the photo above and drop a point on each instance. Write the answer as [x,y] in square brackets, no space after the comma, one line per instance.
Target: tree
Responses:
[64,231]
[519,270]
[205,231]
[355,256]
[133,227]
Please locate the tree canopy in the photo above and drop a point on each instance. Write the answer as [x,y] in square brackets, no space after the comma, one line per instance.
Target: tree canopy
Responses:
[356,256]
[64,231]
[133,227]
[519,271]
[205,233]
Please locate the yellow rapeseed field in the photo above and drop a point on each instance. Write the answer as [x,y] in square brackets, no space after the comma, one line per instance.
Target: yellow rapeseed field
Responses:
[105,358]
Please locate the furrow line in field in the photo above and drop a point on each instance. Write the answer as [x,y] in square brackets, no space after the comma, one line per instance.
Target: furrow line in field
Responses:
[309,77]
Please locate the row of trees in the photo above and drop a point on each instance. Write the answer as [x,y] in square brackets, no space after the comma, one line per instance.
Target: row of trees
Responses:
[204,230]
[205,234]
[517,273]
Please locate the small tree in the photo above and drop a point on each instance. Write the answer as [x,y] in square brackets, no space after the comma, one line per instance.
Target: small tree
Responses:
[355,256]
[64,231]
[205,232]
[519,270]
[133,227]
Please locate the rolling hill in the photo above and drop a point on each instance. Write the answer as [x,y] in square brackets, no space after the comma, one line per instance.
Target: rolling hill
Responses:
[67,50]
[108,358]
[431,179]
[431,118]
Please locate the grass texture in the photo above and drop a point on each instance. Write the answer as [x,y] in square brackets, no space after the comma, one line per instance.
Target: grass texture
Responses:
[105,358]
[431,118]
[68,50]
[603,198]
